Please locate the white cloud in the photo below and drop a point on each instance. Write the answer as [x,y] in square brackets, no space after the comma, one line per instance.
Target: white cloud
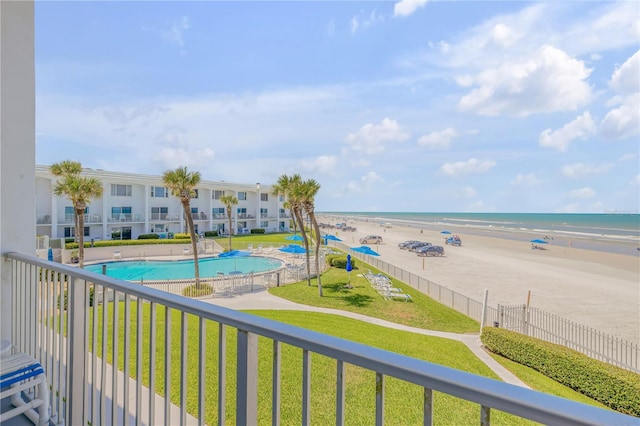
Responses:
[548,81]
[354,24]
[625,79]
[466,192]
[582,193]
[441,139]
[365,183]
[175,34]
[363,20]
[331,27]
[580,128]
[627,157]
[321,164]
[527,180]
[579,170]
[623,121]
[360,162]
[503,36]
[466,167]
[371,138]
[170,158]
[407,7]
[635,180]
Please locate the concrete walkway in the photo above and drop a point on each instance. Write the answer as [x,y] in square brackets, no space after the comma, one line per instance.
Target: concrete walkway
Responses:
[264,300]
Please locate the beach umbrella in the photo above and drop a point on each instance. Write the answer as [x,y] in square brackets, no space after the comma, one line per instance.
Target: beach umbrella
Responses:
[349,268]
[366,250]
[293,248]
[445,232]
[331,237]
[294,238]
[50,254]
[539,241]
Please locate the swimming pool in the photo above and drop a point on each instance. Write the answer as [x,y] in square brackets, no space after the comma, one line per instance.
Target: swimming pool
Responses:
[152,270]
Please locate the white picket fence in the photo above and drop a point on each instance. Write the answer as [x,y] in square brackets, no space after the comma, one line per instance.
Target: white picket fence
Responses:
[530,321]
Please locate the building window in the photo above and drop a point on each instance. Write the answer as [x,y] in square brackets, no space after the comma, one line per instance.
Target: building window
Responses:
[216,195]
[158,228]
[242,212]
[159,192]
[159,213]
[281,198]
[282,213]
[264,213]
[121,214]
[70,232]
[194,194]
[264,224]
[264,196]
[118,190]
[218,212]
[69,213]
[242,196]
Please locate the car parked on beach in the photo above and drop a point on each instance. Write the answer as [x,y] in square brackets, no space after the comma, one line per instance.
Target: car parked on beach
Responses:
[430,251]
[419,245]
[403,245]
[371,239]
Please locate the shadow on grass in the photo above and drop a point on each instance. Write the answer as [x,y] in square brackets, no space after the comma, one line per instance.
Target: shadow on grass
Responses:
[339,291]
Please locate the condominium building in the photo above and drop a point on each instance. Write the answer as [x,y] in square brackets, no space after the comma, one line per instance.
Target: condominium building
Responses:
[133,204]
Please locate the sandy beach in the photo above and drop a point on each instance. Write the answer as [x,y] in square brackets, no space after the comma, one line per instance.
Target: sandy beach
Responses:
[596,288]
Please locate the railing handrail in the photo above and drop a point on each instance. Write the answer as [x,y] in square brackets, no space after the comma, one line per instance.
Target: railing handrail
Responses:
[485,391]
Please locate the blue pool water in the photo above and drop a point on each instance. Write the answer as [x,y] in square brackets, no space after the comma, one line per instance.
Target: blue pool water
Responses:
[182,269]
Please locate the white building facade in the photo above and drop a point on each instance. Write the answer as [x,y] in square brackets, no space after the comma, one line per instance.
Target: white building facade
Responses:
[135,204]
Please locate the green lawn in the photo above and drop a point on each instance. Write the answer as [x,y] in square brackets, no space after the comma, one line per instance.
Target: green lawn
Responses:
[403,401]
[421,311]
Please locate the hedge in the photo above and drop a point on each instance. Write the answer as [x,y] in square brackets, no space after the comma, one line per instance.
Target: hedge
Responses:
[257,231]
[116,243]
[192,291]
[210,233]
[613,386]
[339,261]
[148,237]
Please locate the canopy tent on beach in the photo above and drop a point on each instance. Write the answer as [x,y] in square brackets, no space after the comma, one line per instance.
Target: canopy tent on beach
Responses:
[538,241]
[365,250]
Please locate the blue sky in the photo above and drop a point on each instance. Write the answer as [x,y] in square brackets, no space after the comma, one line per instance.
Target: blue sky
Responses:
[467,106]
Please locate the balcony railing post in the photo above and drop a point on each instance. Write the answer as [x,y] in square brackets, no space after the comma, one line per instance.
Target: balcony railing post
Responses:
[247,379]
[77,350]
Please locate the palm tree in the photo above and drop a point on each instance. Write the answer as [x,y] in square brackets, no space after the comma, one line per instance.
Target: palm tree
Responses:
[182,184]
[308,191]
[290,186]
[80,190]
[229,201]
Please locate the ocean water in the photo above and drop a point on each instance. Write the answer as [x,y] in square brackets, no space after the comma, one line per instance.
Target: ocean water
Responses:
[614,231]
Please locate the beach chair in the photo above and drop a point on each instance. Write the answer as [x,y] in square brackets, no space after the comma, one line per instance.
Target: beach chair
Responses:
[117,254]
[23,379]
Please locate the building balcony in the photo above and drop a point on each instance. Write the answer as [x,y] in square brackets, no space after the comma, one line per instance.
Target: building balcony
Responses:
[155,358]
[43,219]
[164,217]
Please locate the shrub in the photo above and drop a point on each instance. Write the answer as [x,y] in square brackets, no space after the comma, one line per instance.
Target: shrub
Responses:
[339,261]
[210,233]
[192,291]
[148,237]
[181,236]
[329,258]
[257,231]
[118,243]
[69,240]
[615,387]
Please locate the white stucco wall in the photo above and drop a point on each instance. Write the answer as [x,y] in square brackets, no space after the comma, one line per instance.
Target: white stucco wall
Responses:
[17,142]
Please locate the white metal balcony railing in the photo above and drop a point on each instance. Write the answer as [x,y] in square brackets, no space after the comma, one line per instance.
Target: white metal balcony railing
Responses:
[84,384]
[165,217]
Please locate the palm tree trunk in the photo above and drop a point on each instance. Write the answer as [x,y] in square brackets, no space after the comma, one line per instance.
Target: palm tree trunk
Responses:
[298,216]
[194,243]
[316,228]
[230,226]
[80,236]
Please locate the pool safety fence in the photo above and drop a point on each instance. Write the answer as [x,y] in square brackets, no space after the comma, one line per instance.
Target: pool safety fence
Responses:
[530,321]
